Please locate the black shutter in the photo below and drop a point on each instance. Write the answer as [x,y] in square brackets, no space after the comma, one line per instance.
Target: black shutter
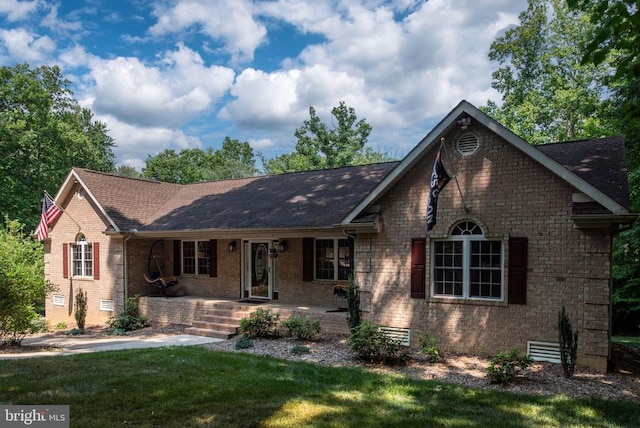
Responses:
[213,258]
[177,258]
[418,288]
[518,271]
[307,259]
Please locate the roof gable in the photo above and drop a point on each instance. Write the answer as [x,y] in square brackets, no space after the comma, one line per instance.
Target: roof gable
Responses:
[566,167]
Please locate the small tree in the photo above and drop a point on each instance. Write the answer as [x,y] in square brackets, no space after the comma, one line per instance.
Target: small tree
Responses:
[22,284]
[353,303]
[568,343]
[80,310]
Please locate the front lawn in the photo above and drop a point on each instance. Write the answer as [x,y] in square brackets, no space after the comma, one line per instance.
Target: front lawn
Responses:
[196,387]
[632,342]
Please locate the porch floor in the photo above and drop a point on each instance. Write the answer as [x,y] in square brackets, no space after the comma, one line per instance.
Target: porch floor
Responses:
[186,310]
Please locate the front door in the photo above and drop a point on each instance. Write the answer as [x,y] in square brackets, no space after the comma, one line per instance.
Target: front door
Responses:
[258,270]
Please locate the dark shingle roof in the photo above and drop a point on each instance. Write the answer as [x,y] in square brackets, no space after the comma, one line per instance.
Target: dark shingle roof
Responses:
[295,200]
[600,162]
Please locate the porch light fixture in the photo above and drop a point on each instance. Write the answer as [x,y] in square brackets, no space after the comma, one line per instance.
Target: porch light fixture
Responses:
[232,246]
[282,246]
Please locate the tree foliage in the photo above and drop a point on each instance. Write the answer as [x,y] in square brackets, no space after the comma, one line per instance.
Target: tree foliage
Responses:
[22,284]
[548,94]
[234,160]
[43,133]
[320,146]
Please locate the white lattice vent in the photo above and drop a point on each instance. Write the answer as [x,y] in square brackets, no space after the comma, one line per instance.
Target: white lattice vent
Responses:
[544,351]
[400,335]
[107,305]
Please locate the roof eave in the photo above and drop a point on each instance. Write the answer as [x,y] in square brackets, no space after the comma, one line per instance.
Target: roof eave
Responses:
[591,221]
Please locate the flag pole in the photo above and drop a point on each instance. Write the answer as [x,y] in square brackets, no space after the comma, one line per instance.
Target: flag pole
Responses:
[455,175]
[63,210]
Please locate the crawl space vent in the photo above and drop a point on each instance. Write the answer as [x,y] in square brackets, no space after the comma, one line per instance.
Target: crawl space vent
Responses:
[544,351]
[400,335]
[58,300]
[468,144]
[106,305]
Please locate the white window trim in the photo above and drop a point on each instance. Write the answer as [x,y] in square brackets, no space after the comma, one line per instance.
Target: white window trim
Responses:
[83,244]
[336,259]
[195,251]
[466,268]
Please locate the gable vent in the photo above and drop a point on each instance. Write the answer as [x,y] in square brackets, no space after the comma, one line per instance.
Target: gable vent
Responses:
[544,351]
[400,335]
[468,144]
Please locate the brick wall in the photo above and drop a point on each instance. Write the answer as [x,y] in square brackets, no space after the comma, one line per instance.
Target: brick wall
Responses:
[508,195]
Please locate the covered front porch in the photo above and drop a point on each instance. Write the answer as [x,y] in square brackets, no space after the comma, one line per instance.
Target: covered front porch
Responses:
[206,315]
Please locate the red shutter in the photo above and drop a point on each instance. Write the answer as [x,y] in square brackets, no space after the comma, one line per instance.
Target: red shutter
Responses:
[177,258]
[96,260]
[307,259]
[213,258]
[65,260]
[518,271]
[418,247]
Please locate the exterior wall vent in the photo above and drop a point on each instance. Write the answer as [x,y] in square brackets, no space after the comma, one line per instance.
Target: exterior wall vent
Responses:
[467,144]
[544,351]
[107,305]
[400,335]
[58,300]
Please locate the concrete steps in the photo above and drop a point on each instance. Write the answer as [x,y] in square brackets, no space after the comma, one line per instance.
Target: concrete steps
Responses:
[221,321]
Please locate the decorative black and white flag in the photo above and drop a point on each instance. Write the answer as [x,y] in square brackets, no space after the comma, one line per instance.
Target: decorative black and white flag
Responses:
[439,179]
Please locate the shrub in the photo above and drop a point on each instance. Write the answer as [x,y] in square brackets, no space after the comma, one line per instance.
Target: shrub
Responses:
[300,349]
[506,364]
[80,309]
[127,318]
[371,344]
[353,304]
[244,342]
[261,323]
[61,326]
[568,344]
[302,328]
[429,347]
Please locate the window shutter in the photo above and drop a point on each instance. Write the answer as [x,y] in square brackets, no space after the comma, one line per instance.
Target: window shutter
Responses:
[96,260]
[177,258]
[518,271]
[307,259]
[213,258]
[418,246]
[65,260]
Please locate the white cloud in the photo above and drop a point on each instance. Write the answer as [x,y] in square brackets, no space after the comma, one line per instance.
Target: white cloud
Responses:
[18,10]
[23,46]
[228,21]
[168,95]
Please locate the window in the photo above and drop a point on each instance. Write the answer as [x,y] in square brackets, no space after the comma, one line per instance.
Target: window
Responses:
[467,265]
[82,257]
[333,259]
[196,257]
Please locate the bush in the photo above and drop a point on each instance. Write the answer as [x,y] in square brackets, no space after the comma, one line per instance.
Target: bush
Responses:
[429,347]
[371,344]
[22,284]
[568,344]
[80,309]
[61,326]
[353,303]
[302,328]
[261,323]
[300,349]
[506,364]
[244,342]
[127,318]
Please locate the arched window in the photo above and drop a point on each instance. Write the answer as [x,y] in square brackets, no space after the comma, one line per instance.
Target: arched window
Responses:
[468,266]
[82,257]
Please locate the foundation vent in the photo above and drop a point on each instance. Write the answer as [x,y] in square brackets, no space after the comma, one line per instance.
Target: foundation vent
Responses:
[401,335]
[544,351]
[106,305]
[58,300]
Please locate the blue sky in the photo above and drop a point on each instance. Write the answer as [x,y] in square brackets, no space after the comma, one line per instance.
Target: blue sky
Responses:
[186,73]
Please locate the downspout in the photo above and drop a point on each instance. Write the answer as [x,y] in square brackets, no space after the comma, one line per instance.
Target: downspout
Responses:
[125,265]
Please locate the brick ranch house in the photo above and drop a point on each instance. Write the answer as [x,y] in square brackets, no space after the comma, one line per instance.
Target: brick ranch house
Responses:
[521,231]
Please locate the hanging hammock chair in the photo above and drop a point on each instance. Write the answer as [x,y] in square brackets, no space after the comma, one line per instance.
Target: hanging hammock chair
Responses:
[156,278]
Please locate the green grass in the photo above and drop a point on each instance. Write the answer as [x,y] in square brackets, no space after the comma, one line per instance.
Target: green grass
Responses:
[195,387]
[629,341]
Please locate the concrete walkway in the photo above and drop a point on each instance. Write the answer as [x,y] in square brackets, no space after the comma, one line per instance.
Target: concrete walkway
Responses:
[78,345]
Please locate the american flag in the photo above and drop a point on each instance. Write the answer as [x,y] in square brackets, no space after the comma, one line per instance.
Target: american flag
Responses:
[50,212]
